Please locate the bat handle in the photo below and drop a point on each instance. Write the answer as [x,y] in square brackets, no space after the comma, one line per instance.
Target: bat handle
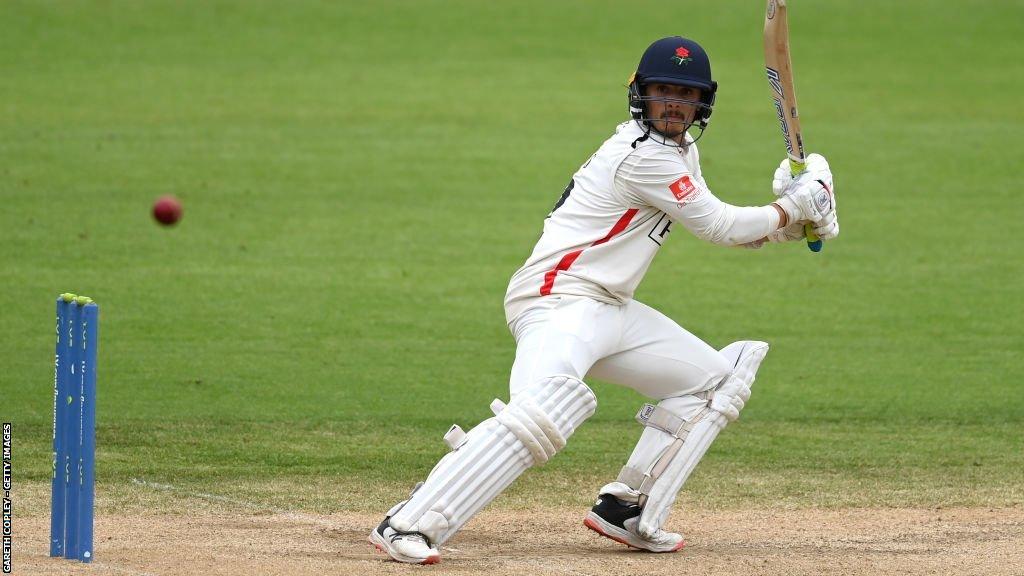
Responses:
[814,244]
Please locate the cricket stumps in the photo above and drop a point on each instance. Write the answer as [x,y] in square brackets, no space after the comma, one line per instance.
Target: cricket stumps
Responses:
[74,428]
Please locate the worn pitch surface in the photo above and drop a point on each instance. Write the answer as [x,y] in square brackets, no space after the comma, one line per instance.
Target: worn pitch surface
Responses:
[553,542]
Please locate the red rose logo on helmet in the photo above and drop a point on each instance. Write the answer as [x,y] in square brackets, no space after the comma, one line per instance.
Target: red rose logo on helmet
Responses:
[682,56]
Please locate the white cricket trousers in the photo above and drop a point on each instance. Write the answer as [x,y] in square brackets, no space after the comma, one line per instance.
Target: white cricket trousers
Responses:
[632,345]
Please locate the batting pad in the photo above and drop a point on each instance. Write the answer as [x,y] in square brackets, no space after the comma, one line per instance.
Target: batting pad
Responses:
[677,443]
[528,431]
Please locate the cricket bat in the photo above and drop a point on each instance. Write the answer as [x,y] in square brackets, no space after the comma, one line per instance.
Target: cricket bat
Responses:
[780,77]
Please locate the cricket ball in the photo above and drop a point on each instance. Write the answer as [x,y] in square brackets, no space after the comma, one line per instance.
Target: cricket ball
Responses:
[167,210]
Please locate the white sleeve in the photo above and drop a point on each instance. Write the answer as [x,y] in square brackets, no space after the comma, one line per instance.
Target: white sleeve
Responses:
[665,183]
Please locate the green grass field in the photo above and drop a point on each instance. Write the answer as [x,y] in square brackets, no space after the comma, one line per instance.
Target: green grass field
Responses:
[360,180]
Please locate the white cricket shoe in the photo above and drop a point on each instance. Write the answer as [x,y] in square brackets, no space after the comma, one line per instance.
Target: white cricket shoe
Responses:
[616,519]
[408,547]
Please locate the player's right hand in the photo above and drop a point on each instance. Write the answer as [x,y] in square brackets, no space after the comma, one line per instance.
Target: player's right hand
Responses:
[812,201]
[789,233]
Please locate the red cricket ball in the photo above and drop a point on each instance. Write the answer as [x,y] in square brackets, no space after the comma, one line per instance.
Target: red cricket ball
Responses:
[167,210]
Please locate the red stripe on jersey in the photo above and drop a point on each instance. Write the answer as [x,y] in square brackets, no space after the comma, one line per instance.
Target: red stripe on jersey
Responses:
[563,264]
[568,259]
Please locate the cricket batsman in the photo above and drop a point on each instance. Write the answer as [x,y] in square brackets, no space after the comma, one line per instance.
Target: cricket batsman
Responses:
[571,311]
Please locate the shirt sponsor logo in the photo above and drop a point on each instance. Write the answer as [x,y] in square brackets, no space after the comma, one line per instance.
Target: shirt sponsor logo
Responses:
[683,189]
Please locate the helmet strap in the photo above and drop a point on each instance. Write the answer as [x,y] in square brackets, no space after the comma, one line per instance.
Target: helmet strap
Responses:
[647,134]
[638,111]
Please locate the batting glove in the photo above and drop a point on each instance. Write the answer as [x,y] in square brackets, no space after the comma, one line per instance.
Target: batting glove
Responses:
[812,201]
[817,169]
[788,233]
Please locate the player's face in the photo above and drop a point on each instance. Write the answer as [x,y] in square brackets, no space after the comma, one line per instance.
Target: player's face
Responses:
[672,108]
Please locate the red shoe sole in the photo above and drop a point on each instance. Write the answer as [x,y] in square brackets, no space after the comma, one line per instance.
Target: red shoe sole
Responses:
[596,528]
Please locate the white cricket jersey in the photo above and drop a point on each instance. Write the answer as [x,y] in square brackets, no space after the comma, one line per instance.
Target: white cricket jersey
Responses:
[614,216]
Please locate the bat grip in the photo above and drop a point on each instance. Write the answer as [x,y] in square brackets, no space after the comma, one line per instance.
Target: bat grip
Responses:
[814,244]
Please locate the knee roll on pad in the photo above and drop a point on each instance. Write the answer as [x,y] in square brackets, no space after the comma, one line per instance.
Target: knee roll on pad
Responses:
[683,439]
[527,431]
[532,426]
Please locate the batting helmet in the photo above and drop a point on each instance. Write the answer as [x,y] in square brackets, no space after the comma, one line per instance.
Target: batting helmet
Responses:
[673,60]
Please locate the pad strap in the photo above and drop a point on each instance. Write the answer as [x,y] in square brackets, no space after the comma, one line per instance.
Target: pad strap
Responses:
[659,418]
[455,437]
